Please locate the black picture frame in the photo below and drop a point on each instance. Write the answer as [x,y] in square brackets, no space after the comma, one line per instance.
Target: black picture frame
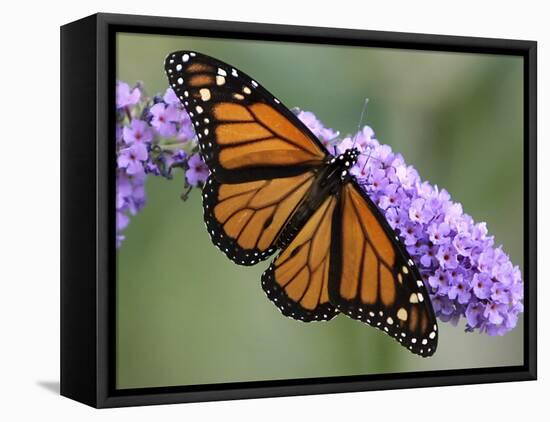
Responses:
[87,209]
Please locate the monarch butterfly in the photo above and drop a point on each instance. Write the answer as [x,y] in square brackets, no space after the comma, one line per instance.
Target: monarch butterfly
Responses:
[274,187]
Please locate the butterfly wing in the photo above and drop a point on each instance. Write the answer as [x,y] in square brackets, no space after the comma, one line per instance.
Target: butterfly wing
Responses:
[244,220]
[261,156]
[372,277]
[297,280]
[244,132]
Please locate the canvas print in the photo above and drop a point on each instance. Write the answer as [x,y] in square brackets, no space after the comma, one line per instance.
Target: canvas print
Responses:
[290,211]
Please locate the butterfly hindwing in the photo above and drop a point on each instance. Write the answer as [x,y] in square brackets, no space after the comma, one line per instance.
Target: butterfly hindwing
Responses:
[244,220]
[244,132]
[297,280]
[372,277]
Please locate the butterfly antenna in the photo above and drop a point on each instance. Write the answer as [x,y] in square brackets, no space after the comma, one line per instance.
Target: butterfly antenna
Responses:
[363,114]
[369,157]
[367,160]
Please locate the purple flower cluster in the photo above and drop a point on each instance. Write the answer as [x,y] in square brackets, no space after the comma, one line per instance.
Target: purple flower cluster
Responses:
[153,137]
[467,275]
[326,135]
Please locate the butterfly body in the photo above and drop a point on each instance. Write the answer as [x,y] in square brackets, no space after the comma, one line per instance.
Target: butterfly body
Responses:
[328,181]
[274,187]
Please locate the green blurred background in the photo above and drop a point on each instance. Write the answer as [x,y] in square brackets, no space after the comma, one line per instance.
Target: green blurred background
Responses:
[187,315]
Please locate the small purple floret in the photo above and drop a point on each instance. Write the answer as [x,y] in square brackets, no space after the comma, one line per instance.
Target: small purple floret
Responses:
[125,96]
[198,171]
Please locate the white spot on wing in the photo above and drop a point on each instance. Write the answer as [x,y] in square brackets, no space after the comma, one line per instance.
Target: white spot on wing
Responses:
[205,94]
[402,314]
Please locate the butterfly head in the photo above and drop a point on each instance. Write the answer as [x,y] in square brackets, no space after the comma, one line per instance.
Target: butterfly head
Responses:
[344,162]
[350,157]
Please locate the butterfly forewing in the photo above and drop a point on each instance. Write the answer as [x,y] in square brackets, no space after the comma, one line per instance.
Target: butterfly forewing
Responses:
[244,133]
[373,278]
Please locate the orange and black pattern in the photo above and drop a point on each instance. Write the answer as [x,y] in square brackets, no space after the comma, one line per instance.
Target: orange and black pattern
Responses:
[244,220]
[274,187]
[297,280]
[372,277]
[243,131]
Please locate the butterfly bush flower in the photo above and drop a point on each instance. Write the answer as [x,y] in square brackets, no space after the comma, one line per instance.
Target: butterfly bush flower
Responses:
[126,96]
[154,136]
[197,172]
[326,135]
[467,275]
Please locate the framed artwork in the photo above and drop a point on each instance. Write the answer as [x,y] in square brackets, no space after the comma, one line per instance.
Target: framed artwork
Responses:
[254,210]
